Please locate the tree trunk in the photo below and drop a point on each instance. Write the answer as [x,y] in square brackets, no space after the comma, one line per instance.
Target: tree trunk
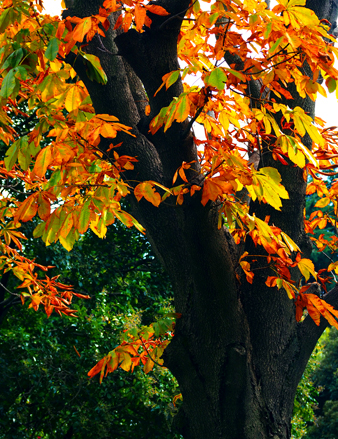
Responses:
[238,352]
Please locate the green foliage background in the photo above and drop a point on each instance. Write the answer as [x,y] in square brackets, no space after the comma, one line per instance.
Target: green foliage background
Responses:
[45,390]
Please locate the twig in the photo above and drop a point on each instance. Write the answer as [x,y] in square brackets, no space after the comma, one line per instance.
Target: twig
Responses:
[8,291]
[332,272]
[154,361]
[191,122]
[177,15]
[102,47]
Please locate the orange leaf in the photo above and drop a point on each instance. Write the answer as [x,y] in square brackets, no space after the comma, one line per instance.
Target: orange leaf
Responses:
[271,281]
[140,15]
[44,207]
[96,369]
[147,190]
[27,209]
[82,29]
[148,366]
[128,18]
[157,10]
[43,160]
[210,191]
[77,352]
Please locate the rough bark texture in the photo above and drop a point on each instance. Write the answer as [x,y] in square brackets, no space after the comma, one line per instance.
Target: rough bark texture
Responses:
[238,353]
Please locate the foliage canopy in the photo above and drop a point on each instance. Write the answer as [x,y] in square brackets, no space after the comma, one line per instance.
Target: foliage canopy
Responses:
[106,87]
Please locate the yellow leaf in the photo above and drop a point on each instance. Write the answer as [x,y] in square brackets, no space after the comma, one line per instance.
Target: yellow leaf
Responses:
[224,120]
[323,202]
[108,130]
[333,267]
[73,99]
[126,363]
[296,157]
[289,289]
[307,268]
[290,243]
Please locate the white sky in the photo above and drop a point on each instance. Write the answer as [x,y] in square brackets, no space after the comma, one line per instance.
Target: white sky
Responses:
[52,7]
[326,108]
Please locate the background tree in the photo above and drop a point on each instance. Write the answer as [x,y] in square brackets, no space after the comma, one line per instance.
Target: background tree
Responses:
[45,391]
[325,378]
[307,392]
[239,264]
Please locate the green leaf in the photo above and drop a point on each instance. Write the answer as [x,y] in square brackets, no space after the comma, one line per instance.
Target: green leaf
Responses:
[69,241]
[53,228]
[54,179]
[156,328]
[272,173]
[52,49]
[24,155]
[20,72]
[172,78]
[39,229]
[268,30]
[14,58]
[276,44]
[217,78]
[12,155]
[5,18]
[133,332]
[9,84]
[331,85]
[84,217]
[253,18]
[182,109]
[94,168]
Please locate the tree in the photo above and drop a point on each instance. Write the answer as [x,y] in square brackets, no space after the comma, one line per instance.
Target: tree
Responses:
[325,378]
[225,214]
[306,396]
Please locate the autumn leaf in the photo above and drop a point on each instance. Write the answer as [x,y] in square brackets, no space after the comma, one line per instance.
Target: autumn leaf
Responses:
[148,366]
[28,209]
[74,97]
[43,160]
[81,29]
[307,268]
[140,15]
[157,10]
[147,190]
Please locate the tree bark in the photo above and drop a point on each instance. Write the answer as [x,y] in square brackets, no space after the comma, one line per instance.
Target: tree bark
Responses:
[238,352]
